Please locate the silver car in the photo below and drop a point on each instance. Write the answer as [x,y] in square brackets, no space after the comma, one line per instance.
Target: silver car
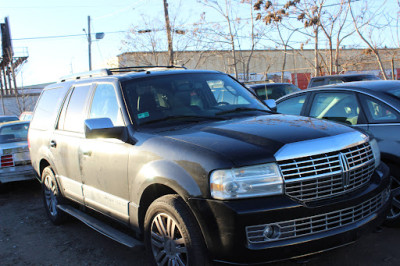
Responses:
[15,162]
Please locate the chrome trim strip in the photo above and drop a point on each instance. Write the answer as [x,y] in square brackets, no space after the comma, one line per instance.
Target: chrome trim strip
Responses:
[312,177]
[320,146]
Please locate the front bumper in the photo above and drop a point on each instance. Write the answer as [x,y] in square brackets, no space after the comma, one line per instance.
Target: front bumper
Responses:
[225,224]
[17,173]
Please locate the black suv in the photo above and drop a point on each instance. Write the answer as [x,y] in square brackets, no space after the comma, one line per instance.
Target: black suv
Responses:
[335,79]
[200,169]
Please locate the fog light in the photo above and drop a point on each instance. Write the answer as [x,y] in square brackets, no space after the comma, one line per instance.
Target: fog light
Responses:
[272,231]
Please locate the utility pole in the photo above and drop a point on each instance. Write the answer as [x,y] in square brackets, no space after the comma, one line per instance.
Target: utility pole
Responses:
[168,26]
[89,45]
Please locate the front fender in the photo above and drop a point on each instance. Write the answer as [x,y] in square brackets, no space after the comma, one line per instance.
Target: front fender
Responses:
[165,173]
[161,172]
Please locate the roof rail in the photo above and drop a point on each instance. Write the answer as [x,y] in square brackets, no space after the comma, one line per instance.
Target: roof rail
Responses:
[111,71]
[84,75]
[143,68]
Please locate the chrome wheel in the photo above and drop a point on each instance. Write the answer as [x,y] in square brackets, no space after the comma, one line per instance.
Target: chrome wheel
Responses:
[395,208]
[167,242]
[50,192]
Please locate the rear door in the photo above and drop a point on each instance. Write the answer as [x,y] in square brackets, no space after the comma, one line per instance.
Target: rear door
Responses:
[66,140]
[383,123]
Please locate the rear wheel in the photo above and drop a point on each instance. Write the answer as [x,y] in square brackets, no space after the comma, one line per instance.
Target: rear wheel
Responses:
[172,235]
[393,217]
[52,196]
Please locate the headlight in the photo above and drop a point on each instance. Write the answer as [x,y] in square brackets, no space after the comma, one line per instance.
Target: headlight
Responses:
[376,151]
[246,182]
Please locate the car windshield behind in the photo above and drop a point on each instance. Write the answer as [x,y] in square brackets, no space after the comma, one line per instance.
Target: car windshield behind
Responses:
[274,91]
[13,133]
[188,96]
[361,78]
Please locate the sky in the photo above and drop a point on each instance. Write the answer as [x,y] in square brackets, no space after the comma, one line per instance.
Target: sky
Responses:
[51,58]
[51,31]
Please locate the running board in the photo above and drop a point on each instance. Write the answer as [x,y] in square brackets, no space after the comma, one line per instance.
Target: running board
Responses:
[101,227]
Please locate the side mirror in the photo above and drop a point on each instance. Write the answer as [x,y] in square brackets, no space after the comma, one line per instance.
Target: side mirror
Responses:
[271,104]
[102,128]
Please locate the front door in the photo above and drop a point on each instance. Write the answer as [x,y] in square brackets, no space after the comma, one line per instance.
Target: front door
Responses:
[104,162]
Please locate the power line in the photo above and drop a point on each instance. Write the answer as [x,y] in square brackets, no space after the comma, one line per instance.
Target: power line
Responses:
[63,36]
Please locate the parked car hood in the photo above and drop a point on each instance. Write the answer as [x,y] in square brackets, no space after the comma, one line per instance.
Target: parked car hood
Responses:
[261,139]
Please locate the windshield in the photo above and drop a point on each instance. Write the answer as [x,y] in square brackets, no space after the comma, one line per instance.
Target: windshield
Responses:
[274,91]
[13,133]
[178,98]
[361,78]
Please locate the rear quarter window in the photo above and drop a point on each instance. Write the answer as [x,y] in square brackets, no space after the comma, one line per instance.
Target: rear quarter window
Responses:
[47,108]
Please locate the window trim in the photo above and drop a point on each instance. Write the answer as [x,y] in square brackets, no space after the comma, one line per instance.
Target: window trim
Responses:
[369,118]
[361,117]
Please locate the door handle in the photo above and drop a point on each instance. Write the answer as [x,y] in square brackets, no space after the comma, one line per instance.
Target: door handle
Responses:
[53,143]
[87,153]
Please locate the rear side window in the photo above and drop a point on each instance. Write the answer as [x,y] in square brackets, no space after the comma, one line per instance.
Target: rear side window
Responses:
[75,113]
[47,108]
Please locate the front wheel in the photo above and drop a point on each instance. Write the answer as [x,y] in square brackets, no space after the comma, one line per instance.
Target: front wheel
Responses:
[393,218]
[172,235]
[52,197]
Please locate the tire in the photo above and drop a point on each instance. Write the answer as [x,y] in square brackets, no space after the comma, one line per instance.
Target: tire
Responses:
[172,235]
[52,197]
[393,217]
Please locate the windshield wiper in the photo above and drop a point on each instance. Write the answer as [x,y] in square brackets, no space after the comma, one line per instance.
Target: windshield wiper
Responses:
[192,118]
[243,109]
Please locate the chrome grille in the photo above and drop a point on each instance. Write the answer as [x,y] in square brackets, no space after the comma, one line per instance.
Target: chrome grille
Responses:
[325,175]
[318,223]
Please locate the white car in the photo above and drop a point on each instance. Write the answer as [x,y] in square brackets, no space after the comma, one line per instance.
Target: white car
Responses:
[15,164]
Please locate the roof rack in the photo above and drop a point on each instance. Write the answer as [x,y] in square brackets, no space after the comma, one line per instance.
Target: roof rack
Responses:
[112,71]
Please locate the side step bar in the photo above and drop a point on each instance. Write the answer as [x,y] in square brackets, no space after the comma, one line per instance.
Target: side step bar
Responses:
[101,227]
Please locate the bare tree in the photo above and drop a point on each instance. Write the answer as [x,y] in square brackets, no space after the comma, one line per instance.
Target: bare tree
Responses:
[365,31]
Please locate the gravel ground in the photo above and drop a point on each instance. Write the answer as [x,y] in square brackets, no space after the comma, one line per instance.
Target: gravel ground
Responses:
[27,237]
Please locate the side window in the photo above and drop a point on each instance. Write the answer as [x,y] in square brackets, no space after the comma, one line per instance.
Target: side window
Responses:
[292,106]
[75,113]
[378,112]
[47,108]
[105,104]
[338,106]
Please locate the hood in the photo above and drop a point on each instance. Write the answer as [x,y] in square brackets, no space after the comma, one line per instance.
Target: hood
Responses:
[253,140]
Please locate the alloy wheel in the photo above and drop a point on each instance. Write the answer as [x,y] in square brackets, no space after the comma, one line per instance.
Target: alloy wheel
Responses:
[395,208]
[167,242]
[50,195]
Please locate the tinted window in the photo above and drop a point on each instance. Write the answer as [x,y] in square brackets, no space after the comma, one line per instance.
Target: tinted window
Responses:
[337,106]
[274,91]
[317,82]
[292,106]
[76,111]
[47,108]
[105,104]
[378,112]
